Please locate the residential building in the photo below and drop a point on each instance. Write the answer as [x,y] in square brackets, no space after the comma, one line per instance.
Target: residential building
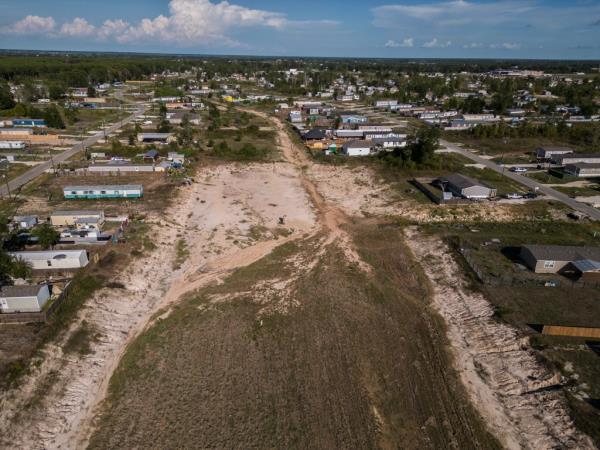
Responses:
[546,153]
[177,158]
[296,117]
[583,261]
[349,134]
[357,148]
[390,142]
[583,170]
[376,128]
[54,260]
[12,145]
[316,134]
[386,103]
[24,222]
[574,158]
[29,123]
[23,299]
[161,138]
[70,218]
[353,119]
[120,167]
[466,187]
[97,192]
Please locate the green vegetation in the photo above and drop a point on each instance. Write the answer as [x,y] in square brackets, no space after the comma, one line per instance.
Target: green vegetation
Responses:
[47,236]
[181,253]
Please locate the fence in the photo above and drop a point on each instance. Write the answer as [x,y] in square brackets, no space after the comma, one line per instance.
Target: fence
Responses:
[523,280]
[38,317]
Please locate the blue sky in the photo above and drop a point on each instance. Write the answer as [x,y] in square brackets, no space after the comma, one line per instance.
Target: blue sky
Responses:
[407,28]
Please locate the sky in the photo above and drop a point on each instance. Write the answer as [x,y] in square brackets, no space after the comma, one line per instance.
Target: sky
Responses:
[510,29]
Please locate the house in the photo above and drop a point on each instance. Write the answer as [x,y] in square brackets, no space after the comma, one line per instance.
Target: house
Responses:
[24,222]
[23,299]
[110,191]
[390,142]
[29,123]
[176,117]
[564,159]
[375,128]
[55,259]
[546,153]
[316,134]
[357,148]
[70,218]
[118,167]
[161,138]
[150,154]
[353,119]
[9,132]
[350,134]
[583,261]
[295,117]
[386,103]
[582,170]
[466,187]
[12,145]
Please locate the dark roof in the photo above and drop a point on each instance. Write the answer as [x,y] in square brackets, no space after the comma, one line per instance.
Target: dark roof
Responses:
[462,181]
[585,165]
[563,252]
[315,133]
[151,154]
[20,291]
[358,144]
[556,149]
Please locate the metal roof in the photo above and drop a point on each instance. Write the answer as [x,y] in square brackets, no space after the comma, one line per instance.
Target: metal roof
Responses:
[21,291]
[462,181]
[587,265]
[122,187]
[86,213]
[563,252]
[44,255]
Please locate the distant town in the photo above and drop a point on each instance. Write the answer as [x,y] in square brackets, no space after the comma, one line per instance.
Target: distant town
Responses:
[226,252]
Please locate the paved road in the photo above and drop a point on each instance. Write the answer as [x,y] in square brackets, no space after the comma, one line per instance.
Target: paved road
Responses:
[35,172]
[593,213]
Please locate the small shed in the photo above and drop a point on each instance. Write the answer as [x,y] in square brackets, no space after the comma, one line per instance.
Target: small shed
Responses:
[23,299]
[25,222]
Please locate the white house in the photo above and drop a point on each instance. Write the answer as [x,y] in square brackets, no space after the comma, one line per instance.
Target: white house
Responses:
[23,299]
[357,148]
[55,259]
[25,222]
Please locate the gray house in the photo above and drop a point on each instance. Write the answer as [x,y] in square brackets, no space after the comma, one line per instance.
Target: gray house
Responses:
[24,299]
[466,187]
[546,153]
[554,258]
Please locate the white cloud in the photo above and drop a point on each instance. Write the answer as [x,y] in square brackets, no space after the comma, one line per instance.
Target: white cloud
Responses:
[507,46]
[111,29]
[434,43]
[473,45]
[78,28]
[32,25]
[454,13]
[407,42]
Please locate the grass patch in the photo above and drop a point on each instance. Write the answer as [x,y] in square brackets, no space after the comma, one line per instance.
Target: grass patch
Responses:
[181,254]
[81,339]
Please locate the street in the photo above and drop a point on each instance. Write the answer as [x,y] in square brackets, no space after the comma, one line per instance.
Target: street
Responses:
[593,213]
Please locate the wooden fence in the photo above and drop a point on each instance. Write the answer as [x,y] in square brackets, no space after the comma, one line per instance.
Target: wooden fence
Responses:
[581,332]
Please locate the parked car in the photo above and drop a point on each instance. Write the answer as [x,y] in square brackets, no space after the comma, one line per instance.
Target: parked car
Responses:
[514,196]
[531,195]
[518,169]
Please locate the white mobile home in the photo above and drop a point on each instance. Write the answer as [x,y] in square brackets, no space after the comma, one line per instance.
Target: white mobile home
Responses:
[70,218]
[55,259]
[357,148]
[96,192]
[23,299]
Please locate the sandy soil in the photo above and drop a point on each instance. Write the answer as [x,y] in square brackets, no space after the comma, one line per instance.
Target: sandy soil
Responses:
[229,219]
[511,389]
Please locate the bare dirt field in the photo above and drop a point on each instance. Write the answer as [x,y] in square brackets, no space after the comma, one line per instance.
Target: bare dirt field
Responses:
[238,331]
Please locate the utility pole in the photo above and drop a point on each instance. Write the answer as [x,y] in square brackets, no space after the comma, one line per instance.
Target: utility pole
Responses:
[7,185]
[52,161]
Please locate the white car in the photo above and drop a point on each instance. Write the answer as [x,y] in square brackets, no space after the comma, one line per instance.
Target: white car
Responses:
[518,169]
[514,196]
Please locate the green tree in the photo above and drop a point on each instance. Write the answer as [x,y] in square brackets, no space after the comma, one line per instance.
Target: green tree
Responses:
[422,146]
[6,98]
[47,236]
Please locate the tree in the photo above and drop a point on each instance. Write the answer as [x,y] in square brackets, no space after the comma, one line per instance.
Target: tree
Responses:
[6,98]
[47,236]
[422,146]
[53,118]
[56,91]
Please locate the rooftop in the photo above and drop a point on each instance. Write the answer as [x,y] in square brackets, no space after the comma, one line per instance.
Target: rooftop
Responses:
[120,187]
[20,291]
[563,252]
[77,212]
[462,181]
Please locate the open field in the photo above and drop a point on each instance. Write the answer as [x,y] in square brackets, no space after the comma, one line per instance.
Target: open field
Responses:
[271,358]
